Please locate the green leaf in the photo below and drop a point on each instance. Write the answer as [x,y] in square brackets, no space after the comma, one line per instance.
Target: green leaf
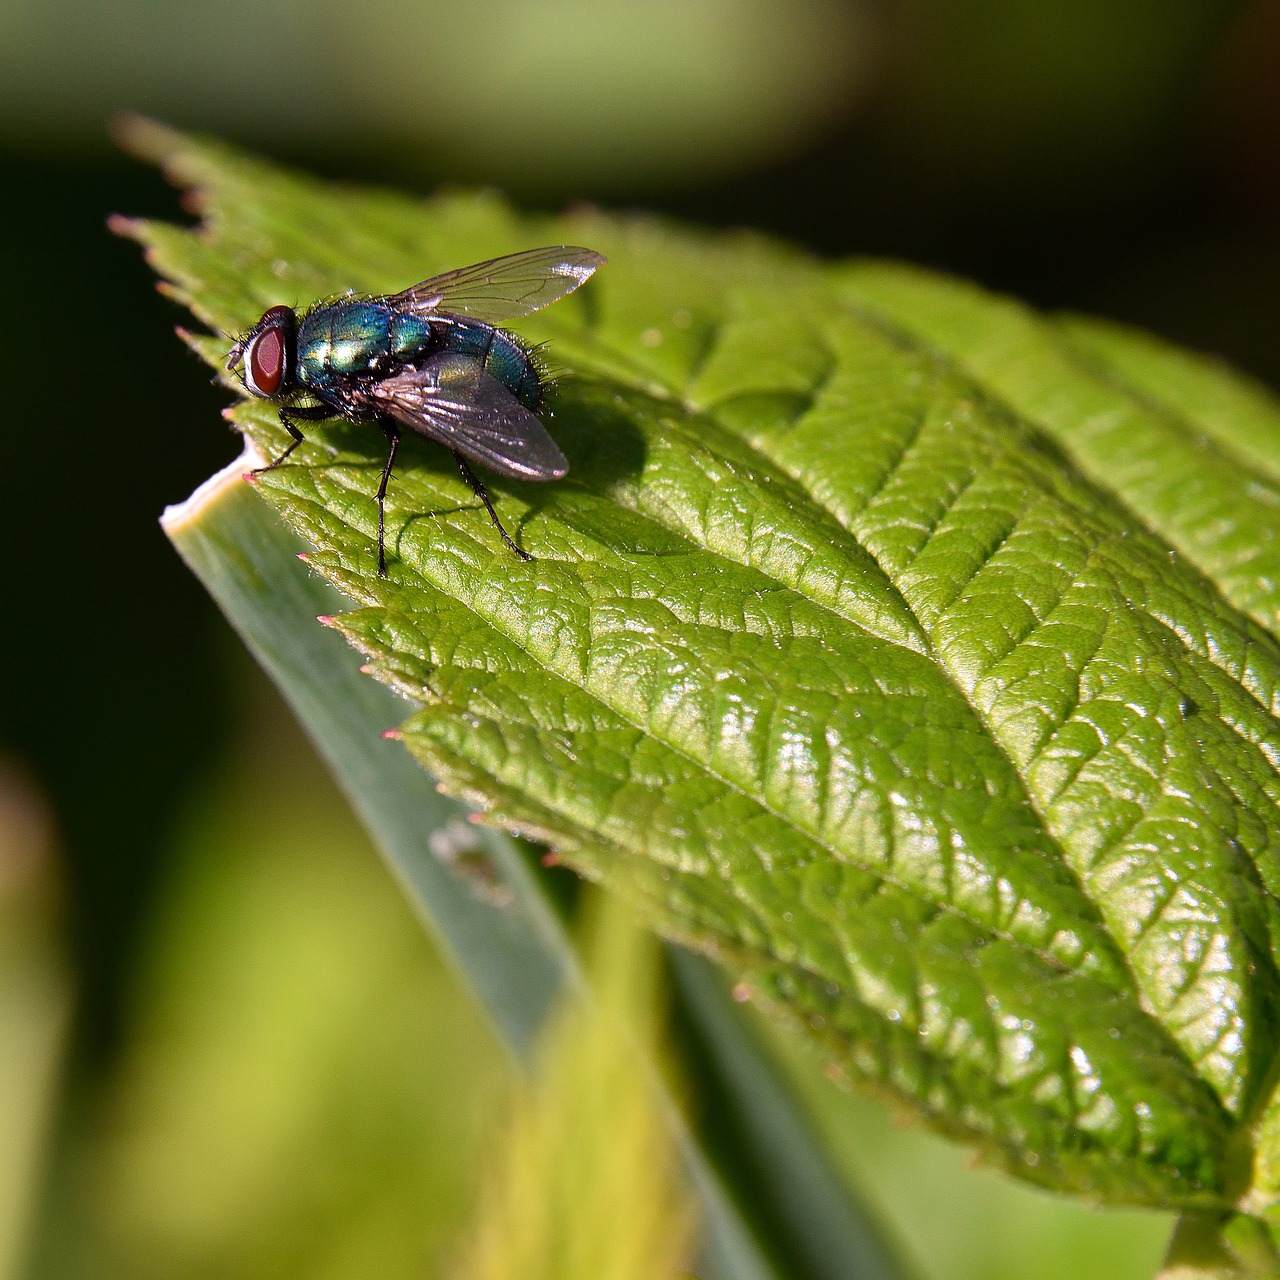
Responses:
[905,651]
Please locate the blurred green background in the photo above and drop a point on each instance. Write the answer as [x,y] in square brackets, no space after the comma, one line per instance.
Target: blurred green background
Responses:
[225,1047]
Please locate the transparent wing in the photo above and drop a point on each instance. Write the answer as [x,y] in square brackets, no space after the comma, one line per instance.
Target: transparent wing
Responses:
[450,399]
[504,288]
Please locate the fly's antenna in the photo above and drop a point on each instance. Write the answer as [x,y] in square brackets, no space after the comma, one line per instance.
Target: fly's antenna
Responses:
[239,342]
[194,342]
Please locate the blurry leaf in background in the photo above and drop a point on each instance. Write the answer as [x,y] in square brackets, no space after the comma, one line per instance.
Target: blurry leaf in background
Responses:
[585,1183]
[35,1004]
[560,92]
[542,92]
[306,1085]
[620,95]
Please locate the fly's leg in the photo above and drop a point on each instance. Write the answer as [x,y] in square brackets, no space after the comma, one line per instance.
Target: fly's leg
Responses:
[479,490]
[304,413]
[294,443]
[393,436]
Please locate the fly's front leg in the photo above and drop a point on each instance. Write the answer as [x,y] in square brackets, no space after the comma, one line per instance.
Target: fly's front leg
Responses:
[482,493]
[392,433]
[303,413]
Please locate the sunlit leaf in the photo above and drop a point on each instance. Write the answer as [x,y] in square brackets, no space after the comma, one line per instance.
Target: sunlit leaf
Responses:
[898,647]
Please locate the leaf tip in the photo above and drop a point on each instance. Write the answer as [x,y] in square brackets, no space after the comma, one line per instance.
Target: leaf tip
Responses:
[144,137]
[179,516]
[393,735]
[120,224]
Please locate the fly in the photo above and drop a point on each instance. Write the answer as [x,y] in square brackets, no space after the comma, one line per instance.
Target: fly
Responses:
[431,358]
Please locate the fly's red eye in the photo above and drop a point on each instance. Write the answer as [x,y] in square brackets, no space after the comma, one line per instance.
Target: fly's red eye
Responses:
[264,362]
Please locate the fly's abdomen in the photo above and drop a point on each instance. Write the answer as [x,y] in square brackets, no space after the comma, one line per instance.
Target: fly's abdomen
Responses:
[343,340]
[514,367]
[504,358]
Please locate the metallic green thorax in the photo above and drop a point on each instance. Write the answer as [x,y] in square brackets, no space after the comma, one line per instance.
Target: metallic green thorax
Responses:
[367,336]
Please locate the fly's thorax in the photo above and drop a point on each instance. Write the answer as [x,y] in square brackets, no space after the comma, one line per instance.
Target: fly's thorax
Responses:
[505,358]
[346,339]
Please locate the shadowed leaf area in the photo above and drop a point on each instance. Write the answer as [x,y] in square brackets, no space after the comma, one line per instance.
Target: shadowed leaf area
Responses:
[909,652]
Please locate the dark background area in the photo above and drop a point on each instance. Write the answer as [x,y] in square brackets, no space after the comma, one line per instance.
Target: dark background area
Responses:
[1119,159]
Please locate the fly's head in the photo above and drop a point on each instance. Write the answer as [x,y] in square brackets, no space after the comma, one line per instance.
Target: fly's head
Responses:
[269,353]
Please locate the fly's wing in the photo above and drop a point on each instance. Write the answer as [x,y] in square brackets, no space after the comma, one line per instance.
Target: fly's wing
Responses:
[452,400]
[504,288]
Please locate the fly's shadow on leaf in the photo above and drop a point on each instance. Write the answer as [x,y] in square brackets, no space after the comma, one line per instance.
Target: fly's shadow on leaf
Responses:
[596,428]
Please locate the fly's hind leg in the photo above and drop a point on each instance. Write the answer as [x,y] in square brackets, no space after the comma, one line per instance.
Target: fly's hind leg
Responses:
[479,490]
[304,413]
[393,436]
